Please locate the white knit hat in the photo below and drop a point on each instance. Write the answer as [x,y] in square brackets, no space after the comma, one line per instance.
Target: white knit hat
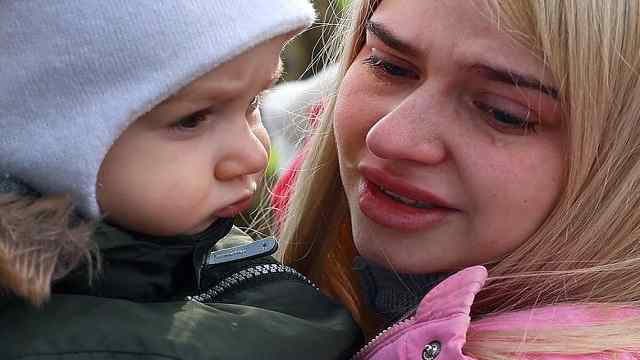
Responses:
[75,73]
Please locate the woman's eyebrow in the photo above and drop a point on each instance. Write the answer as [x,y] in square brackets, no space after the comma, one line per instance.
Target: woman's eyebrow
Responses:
[390,39]
[510,77]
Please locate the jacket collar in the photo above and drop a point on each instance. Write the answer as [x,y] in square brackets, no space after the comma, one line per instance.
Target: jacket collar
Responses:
[146,268]
[390,294]
[439,328]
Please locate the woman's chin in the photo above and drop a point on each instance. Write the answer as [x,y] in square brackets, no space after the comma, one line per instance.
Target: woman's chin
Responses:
[404,253]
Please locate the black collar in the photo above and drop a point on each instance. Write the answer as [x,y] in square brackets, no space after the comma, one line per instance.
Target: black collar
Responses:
[390,294]
[146,268]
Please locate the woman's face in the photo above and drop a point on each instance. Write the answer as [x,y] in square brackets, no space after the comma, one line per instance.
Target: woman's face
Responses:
[449,138]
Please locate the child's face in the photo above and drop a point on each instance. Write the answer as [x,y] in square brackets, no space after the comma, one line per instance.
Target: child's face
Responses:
[195,157]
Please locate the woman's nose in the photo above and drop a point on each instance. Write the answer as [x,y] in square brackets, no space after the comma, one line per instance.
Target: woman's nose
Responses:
[409,132]
[245,152]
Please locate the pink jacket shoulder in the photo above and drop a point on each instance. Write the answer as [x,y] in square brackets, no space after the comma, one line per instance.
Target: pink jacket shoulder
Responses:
[439,328]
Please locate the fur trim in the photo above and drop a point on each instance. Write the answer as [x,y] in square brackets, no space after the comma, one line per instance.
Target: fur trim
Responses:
[38,244]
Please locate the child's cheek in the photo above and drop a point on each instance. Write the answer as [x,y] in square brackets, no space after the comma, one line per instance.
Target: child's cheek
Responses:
[261,133]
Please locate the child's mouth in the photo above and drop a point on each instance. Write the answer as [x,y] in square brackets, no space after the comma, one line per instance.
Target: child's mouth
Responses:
[235,208]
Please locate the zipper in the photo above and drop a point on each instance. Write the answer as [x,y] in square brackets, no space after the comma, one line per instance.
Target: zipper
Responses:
[249,274]
[255,249]
[398,327]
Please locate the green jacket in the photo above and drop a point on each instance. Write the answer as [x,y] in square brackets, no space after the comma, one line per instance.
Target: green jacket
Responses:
[210,296]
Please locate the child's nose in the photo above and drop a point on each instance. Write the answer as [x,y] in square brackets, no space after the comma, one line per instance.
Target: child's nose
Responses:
[246,153]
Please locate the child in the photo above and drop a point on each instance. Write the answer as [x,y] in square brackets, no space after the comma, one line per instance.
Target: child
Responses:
[146,113]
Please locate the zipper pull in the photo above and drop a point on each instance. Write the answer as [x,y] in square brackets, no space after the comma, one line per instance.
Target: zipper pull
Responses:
[258,248]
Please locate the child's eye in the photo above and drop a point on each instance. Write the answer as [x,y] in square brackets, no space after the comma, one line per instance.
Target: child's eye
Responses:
[387,68]
[191,122]
[506,121]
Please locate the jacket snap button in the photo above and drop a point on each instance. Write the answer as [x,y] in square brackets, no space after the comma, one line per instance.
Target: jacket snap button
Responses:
[431,350]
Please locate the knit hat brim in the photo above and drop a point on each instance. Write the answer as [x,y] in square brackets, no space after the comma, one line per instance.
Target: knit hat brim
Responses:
[76,74]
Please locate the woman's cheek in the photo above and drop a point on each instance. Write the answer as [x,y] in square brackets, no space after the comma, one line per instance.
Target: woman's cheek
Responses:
[345,124]
[351,116]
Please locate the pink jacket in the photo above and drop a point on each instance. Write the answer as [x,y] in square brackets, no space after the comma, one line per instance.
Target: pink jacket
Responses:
[438,329]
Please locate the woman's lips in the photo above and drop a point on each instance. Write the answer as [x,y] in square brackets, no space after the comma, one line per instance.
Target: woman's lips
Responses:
[386,211]
[400,187]
[234,209]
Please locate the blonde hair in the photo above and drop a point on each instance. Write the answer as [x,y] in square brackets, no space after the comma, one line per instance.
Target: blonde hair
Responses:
[587,250]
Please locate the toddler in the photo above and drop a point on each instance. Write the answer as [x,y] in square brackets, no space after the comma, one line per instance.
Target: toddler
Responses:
[147,115]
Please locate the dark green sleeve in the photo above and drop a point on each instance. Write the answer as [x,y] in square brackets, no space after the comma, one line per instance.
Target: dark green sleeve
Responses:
[289,321]
[312,327]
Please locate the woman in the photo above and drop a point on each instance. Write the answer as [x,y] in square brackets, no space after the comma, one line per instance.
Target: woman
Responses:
[491,133]
[146,115]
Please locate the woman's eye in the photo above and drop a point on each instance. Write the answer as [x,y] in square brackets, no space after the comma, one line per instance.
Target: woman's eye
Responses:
[191,122]
[388,68]
[508,121]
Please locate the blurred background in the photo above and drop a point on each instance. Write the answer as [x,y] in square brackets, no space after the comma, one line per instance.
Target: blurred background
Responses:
[302,58]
